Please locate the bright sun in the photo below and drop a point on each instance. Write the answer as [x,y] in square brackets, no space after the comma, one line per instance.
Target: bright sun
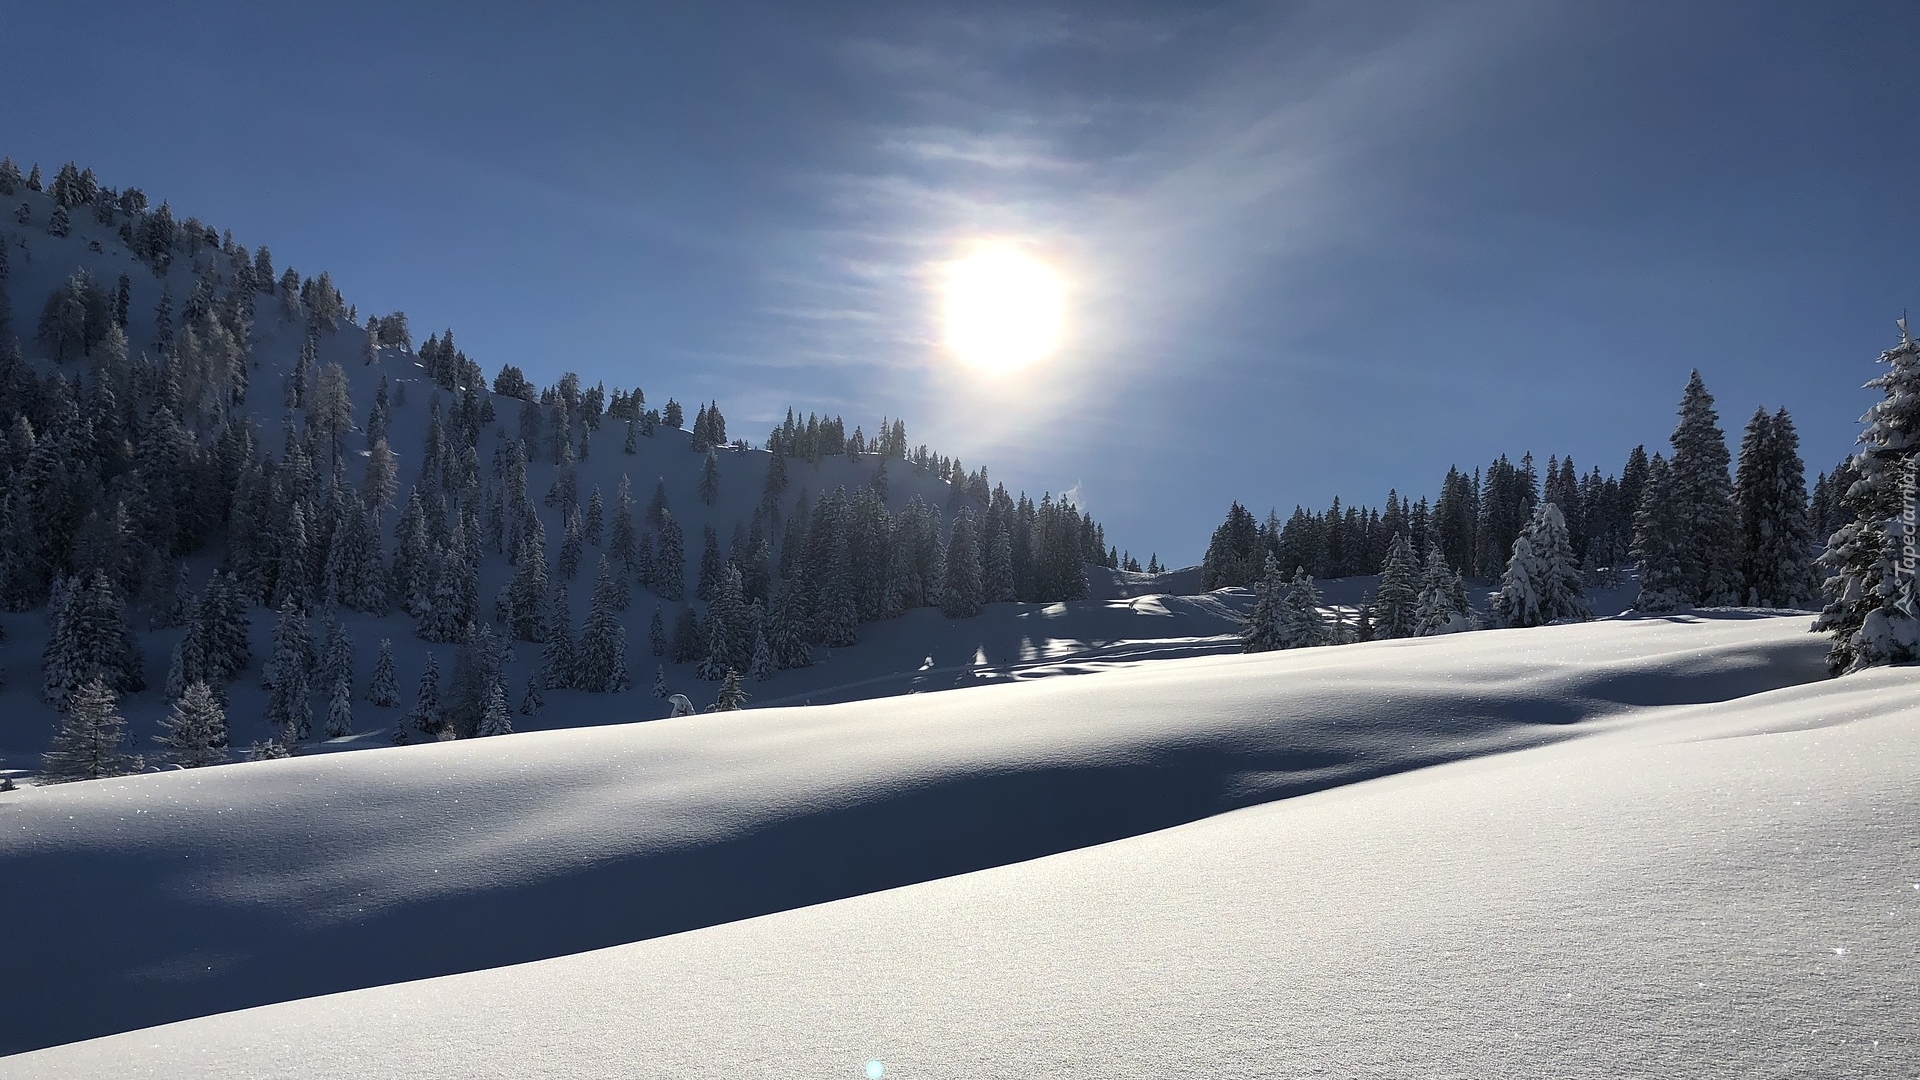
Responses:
[1004,309]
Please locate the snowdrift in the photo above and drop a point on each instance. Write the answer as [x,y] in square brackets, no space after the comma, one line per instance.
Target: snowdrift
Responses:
[167,896]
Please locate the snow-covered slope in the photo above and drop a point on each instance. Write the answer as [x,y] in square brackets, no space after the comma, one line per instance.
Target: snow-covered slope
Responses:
[1725,891]
[167,896]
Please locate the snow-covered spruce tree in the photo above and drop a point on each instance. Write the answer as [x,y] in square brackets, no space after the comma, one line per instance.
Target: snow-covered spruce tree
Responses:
[356,575]
[712,566]
[998,583]
[530,701]
[526,599]
[88,744]
[287,674]
[964,590]
[620,533]
[559,668]
[568,564]
[787,627]
[731,624]
[602,662]
[710,479]
[836,614]
[762,667]
[340,709]
[1303,625]
[1873,608]
[90,640]
[424,717]
[1443,602]
[732,696]
[657,634]
[225,627]
[670,564]
[383,691]
[1264,628]
[1698,472]
[1542,582]
[1396,605]
[1659,535]
[188,664]
[194,733]
[1770,488]
[593,523]
[336,652]
[452,612]
[495,719]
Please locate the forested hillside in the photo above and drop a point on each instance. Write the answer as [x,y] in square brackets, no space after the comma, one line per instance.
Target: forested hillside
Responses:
[240,512]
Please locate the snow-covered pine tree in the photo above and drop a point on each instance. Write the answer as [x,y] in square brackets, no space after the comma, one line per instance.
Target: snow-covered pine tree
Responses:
[88,744]
[336,651]
[558,663]
[836,613]
[526,599]
[657,634]
[670,562]
[712,566]
[496,719]
[1709,551]
[287,674]
[452,613]
[340,710]
[91,640]
[1542,582]
[383,690]
[225,629]
[1770,489]
[1304,625]
[1264,628]
[1873,609]
[762,667]
[593,523]
[787,631]
[710,479]
[732,696]
[998,580]
[1659,537]
[188,663]
[620,533]
[602,665]
[568,564]
[1396,604]
[424,717]
[964,590]
[1442,608]
[530,701]
[195,731]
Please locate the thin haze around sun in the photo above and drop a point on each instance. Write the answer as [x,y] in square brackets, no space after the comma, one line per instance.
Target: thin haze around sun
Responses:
[1004,309]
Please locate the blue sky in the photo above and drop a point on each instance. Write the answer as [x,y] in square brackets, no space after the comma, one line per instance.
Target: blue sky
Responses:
[1311,249]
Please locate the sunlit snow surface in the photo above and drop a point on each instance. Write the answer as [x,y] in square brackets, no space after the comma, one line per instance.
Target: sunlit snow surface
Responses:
[1725,888]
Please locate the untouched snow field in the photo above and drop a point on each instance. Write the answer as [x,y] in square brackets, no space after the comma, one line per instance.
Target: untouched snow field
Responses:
[1729,891]
[1381,924]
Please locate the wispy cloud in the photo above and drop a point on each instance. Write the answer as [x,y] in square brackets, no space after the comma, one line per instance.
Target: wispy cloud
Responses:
[1161,199]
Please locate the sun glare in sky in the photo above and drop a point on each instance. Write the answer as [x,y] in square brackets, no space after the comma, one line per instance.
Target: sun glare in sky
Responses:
[1004,309]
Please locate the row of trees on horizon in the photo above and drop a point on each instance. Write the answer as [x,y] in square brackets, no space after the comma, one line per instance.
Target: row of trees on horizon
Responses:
[1701,532]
